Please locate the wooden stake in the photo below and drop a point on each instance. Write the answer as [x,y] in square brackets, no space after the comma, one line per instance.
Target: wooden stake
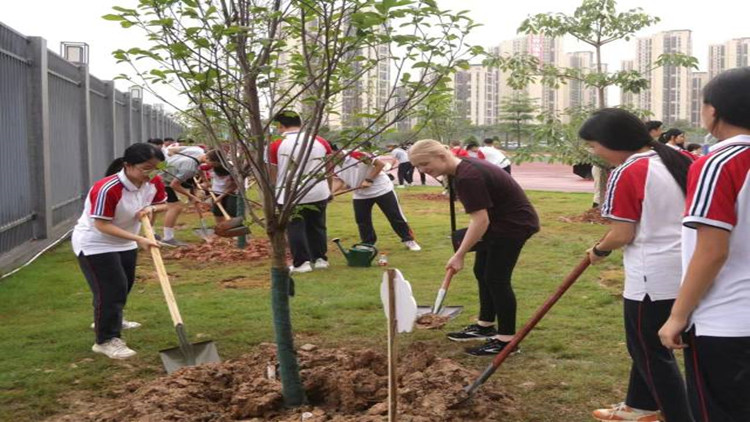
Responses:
[392,380]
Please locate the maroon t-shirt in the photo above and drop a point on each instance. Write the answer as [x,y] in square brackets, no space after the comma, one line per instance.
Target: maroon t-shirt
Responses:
[482,185]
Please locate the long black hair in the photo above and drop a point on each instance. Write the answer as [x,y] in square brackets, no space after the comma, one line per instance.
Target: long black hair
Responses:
[620,130]
[135,154]
[667,136]
[215,156]
[729,94]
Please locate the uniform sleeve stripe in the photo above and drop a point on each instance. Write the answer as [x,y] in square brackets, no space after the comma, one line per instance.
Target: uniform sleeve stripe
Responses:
[690,221]
[101,197]
[613,179]
[707,180]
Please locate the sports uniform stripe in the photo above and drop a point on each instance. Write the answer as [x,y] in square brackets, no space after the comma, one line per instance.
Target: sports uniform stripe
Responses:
[707,179]
[613,179]
[101,197]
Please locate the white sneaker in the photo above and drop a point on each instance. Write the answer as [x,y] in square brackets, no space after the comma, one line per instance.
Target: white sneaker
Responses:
[114,348]
[412,245]
[126,325]
[304,268]
[321,264]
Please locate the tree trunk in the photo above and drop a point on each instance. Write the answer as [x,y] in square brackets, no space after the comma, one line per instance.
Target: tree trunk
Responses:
[291,384]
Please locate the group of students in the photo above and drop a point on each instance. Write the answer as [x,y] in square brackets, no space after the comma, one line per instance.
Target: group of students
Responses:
[684,227]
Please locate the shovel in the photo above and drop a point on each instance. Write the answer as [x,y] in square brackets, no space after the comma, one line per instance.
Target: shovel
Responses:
[232,226]
[204,232]
[186,354]
[437,307]
[469,391]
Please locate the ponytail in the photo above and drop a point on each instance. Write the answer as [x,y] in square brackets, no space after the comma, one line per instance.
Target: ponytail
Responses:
[676,162]
[115,166]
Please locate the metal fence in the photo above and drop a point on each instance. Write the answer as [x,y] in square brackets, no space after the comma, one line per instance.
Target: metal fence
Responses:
[59,129]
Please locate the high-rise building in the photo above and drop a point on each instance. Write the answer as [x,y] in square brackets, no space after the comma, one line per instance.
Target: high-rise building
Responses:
[627,97]
[476,94]
[734,53]
[549,51]
[668,96]
[575,94]
[697,81]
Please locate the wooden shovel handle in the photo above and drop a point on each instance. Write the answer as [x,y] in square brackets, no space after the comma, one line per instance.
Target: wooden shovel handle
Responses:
[218,204]
[161,272]
[449,273]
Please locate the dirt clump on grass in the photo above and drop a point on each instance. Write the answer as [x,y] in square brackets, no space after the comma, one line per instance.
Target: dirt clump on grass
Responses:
[220,250]
[342,385]
[429,196]
[431,321]
[591,216]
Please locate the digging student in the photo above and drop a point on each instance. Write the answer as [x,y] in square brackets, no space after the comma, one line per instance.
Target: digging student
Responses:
[711,316]
[307,232]
[360,170]
[644,201]
[183,164]
[106,239]
[502,219]
[223,186]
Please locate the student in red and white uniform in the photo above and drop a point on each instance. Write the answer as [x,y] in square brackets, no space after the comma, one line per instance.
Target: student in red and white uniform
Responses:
[307,232]
[473,151]
[714,300]
[106,239]
[222,185]
[360,170]
[644,200]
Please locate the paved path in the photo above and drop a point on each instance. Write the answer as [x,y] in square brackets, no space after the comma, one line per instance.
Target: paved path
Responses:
[540,176]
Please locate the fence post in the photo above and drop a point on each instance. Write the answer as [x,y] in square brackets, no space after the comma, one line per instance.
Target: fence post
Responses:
[109,91]
[86,150]
[39,139]
[127,138]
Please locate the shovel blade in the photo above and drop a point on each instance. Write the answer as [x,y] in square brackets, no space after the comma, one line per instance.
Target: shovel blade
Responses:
[204,352]
[204,234]
[450,311]
[232,228]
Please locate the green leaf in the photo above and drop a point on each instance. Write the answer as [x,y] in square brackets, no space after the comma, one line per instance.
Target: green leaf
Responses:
[111,17]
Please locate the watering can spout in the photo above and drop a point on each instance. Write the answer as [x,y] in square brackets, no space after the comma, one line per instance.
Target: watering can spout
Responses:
[337,241]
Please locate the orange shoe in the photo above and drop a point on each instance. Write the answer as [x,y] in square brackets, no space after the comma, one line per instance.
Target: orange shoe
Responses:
[623,412]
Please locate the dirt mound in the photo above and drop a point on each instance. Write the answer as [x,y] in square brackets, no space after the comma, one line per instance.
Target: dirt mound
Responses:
[430,196]
[342,385]
[432,321]
[221,250]
[592,216]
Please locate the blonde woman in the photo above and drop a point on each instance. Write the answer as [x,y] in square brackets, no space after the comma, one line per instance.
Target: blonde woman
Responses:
[502,219]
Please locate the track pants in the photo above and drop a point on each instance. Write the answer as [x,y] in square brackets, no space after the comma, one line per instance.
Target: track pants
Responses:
[307,233]
[655,380]
[388,203]
[110,276]
[405,173]
[493,269]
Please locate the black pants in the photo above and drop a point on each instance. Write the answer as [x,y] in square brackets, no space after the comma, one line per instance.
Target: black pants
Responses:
[718,377]
[493,268]
[307,233]
[388,203]
[422,178]
[655,380]
[110,277]
[229,203]
[405,173]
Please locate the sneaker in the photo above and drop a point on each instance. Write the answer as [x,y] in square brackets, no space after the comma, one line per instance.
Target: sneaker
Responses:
[114,348]
[157,236]
[126,325]
[491,347]
[173,242]
[321,264]
[473,332]
[623,412]
[304,268]
[413,245]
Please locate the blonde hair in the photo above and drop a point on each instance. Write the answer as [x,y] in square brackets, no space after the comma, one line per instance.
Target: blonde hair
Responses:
[427,147]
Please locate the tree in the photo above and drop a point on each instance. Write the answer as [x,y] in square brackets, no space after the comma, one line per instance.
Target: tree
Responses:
[596,23]
[518,110]
[240,62]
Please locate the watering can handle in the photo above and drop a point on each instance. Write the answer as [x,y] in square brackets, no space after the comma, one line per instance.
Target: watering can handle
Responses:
[374,249]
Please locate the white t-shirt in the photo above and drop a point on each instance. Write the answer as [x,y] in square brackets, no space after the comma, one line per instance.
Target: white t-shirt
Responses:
[281,151]
[220,184]
[353,172]
[183,165]
[117,199]
[642,191]
[495,156]
[719,196]
[400,155]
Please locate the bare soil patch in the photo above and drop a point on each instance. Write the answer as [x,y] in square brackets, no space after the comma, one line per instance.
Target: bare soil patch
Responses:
[592,216]
[342,385]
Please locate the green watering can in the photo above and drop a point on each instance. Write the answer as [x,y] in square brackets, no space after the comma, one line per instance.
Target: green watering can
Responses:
[360,255]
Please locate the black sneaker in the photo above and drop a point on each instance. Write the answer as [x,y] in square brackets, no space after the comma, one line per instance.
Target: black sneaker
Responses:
[491,347]
[473,332]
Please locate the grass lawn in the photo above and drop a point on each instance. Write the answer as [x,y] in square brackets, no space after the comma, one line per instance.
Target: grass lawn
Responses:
[574,361]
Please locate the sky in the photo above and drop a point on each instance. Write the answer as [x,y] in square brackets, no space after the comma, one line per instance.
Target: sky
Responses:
[711,22]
